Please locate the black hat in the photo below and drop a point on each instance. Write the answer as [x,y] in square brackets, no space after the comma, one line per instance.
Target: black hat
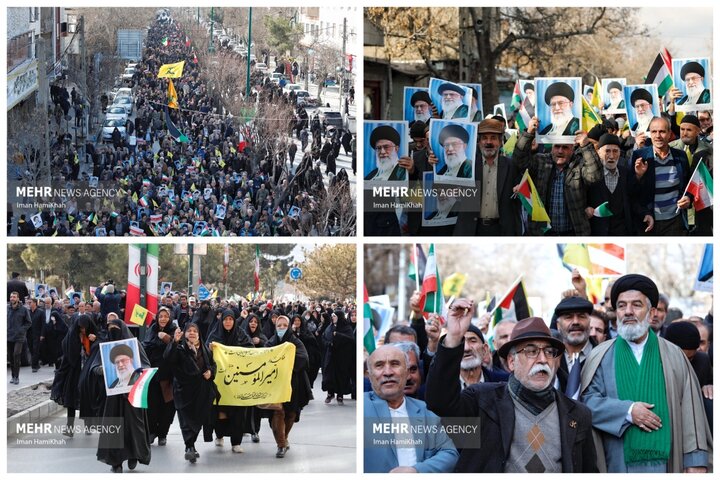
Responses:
[561,89]
[420,95]
[473,329]
[640,94]
[609,123]
[528,86]
[608,139]
[614,84]
[683,334]
[417,129]
[532,328]
[453,131]
[122,349]
[573,305]
[634,281]
[452,87]
[691,119]
[596,132]
[692,67]
[384,132]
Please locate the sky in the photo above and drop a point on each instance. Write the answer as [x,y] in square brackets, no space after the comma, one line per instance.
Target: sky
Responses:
[686,31]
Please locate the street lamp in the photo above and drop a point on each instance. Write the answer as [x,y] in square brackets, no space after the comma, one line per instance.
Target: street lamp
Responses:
[211,47]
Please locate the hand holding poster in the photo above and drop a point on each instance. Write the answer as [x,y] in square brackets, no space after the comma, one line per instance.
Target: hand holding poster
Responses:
[454,144]
[691,77]
[121,365]
[642,102]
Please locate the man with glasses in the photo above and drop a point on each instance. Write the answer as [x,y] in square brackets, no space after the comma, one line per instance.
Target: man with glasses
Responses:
[453,139]
[385,140]
[644,397]
[641,100]
[693,74]
[525,425]
[560,97]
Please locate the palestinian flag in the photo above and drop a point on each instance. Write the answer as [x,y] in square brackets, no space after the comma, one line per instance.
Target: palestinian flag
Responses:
[517,98]
[701,187]
[661,72]
[522,119]
[135,271]
[589,117]
[257,268]
[368,336]
[602,211]
[531,201]
[138,396]
[176,134]
[432,300]
[514,298]
[417,263]
[165,42]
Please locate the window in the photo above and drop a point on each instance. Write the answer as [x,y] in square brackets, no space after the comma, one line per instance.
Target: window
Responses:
[19,50]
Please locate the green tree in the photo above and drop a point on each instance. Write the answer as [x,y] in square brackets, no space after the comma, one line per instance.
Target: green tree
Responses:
[283,33]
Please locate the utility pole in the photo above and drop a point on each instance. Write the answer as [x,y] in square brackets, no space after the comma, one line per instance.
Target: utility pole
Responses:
[211,47]
[43,171]
[86,93]
[249,42]
[342,72]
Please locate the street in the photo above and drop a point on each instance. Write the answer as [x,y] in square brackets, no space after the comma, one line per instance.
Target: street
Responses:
[323,441]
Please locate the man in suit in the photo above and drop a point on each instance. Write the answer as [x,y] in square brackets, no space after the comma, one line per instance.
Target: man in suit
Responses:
[525,425]
[122,357]
[573,323]
[388,406]
[385,140]
[560,97]
[492,212]
[693,74]
[452,101]
[454,139]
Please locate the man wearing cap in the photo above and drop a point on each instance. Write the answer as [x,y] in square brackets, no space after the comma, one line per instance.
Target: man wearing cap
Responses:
[122,357]
[525,425]
[454,139]
[693,74]
[613,189]
[385,140]
[472,370]
[573,323]
[560,97]
[617,102]
[561,179]
[492,211]
[645,399]
[696,150]
[661,175]
[642,101]
[422,106]
[452,101]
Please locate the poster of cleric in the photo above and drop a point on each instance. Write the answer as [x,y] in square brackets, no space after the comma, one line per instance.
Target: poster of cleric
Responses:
[452,100]
[121,365]
[439,210]
[385,144]
[692,77]
[559,109]
[417,105]
[642,106]
[454,144]
[612,95]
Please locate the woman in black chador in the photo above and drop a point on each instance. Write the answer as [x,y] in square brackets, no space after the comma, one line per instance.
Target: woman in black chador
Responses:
[339,360]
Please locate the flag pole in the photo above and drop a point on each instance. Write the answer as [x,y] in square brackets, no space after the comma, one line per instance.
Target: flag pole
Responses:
[514,284]
[417,272]
[688,185]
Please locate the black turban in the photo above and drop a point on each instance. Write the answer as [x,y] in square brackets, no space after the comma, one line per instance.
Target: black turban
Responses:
[561,89]
[614,84]
[634,281]
[453,131]
[122,349]
[384,132]
[452,87]
[640,94]
[420,95]
[692,67]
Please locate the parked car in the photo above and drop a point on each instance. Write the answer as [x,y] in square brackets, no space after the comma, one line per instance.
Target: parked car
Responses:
[330,118]
[115,112]
[304,99]
[110,125]
[276,77]
[289,87]
[261,67]
[124,101]
[128,74]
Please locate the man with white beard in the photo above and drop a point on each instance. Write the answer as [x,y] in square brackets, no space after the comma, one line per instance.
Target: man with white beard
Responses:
[385,140]
[122,357]
[444,207]
[422,106]
[617,102]
[560,97]
[452,101]
[530,98]
[641,100]
[454,139]
[693,74]
[644,397]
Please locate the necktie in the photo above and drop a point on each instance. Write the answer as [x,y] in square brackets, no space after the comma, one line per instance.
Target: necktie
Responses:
[572,389]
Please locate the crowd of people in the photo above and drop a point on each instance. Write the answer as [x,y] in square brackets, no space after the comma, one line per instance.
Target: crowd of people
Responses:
[225,177]
[68,334]
[620,386]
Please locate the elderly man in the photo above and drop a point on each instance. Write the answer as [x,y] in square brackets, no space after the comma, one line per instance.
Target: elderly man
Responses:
[472,370]
[500,337]
[526,426]
[413,385]
[453,139]
[530,99]
[560,96]
[645,399]
[561,179]
[706,125]
[613,190]
[452,101]
[696,150]
[385,140]
[422,106]
[617,102]
[121,356]
[430,451]
[573,323]
[661,175]
[641,100]
[693,74]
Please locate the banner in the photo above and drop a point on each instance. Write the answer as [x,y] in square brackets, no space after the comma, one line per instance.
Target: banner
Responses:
[171,70]
[135,270]
[254,376]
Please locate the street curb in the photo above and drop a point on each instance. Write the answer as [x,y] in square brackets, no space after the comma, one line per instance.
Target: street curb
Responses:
[32,415]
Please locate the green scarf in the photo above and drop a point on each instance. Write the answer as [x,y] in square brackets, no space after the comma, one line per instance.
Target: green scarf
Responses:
[644,383]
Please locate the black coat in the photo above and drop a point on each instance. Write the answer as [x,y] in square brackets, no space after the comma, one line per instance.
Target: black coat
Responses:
[492,405]
[598,193]
[18,323]
[66,383]
[155,348]
[339,358]
[301,390]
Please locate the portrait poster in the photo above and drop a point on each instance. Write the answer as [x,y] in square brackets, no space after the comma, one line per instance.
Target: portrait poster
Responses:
[613,97]
[381,165]
[454,144]
[642,105]
[452,100]
[559,109]
[437,211]
[416,104]
[476,107]
[121,365]
[692,77]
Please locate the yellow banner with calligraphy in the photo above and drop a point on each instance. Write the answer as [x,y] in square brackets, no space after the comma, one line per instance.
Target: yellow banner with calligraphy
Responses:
[254,376]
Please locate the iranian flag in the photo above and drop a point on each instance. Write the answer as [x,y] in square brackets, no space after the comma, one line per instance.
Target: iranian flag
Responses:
[136,231]
[530,200]
[257,268]
[432,300]
[701,187]
[135,272]
[187,41]
[368,335]
[241,142]
[165,41]
[661,72]
[138,396]
[602,211]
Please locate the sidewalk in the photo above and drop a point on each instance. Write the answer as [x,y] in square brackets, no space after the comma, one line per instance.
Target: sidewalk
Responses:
[30,400]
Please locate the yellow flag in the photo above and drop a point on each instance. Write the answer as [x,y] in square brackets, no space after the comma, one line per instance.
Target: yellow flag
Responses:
[155,203]
[139,314]
[71,218]
[78,227]
[172,96]
[596,99]
[169,155]
[221,163]
[135,197]
[253,376]
[232,149]
[171,70]
[453,285]
[218,153]
[589,117]
[509,146]
[192,187]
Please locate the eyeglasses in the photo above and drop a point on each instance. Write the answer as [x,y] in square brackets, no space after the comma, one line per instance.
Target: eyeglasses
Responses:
[559,104]
[532,351]
[387,148]
[693,78]
[453,145]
